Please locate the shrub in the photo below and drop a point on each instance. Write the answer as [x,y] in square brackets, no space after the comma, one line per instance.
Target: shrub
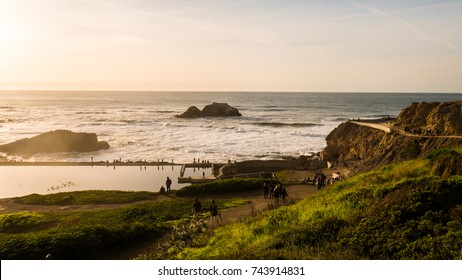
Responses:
[87,235]
[21,222]
[86,197]
[223,186]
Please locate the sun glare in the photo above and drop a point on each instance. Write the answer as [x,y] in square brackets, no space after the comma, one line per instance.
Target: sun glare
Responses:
[8,26]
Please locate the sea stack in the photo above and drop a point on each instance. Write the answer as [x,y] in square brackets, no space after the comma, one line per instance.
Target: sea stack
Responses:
[55,142]
[212,110]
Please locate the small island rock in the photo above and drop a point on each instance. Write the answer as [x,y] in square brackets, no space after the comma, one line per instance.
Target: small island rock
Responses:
[212,110]
[192,112]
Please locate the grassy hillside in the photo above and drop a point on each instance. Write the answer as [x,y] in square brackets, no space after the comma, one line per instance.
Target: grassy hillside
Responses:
[410,210]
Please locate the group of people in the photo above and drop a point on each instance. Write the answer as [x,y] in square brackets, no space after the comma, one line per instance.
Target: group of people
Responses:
[422,131]
[197,206]
[200,161]
[214,213]
[168,183]
[274,191]
[319,180]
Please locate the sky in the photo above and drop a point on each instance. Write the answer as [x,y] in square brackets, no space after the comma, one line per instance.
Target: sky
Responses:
[235,45]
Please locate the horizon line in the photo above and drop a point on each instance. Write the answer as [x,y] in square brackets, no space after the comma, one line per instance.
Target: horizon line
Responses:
[222,91]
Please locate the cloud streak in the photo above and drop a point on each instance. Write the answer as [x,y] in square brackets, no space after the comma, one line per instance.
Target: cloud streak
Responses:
[411,27]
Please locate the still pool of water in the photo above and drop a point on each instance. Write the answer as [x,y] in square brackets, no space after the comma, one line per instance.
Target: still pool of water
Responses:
[23,180]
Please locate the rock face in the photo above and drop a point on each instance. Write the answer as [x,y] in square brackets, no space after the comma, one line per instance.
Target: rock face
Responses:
[54,142]
[372,147]
[192,112]
[445,117]
[211,110]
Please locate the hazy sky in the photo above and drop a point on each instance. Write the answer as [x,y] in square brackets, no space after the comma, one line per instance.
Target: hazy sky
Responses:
[273,45]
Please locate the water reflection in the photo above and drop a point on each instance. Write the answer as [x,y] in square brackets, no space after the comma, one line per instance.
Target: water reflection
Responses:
[23,180]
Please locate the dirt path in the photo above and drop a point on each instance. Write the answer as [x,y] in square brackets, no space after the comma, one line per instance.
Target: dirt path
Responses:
[255,198]
[388,128]
[257,204]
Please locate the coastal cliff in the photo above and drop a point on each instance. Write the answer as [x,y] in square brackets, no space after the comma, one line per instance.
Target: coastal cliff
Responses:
[373,147]
[445,117]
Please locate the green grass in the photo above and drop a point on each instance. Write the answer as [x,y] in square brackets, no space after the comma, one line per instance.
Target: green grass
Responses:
[86,197]
[222,186]
[92,234]
[408,210]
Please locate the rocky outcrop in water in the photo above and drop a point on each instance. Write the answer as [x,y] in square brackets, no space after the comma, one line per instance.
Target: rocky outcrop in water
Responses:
[55,142]
[211,110]
[372,147]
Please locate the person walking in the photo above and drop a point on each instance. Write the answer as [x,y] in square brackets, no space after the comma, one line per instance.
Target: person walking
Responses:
[265,190]
[214,212]
[197,207]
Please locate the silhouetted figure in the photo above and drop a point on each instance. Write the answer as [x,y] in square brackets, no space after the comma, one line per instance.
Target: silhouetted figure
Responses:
[277,192]
[265,190]
[197,207]
[271,191]
[168,183]
[162,189]
[284,193]
[214,212]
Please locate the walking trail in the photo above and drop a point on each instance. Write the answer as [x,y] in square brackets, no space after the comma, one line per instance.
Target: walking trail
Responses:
[389,128]
[256,204]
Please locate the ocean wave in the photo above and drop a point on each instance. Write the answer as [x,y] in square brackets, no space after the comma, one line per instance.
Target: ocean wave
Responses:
[163,112]
[281,124]
[6,120]
[8,108]
[340,119]
[129,121]
[376,116]
[167,124]
[310,135]
[274,110]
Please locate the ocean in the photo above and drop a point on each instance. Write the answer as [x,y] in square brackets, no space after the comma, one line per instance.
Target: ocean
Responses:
[142,125]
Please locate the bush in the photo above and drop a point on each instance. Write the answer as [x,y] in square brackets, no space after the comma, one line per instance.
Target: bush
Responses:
[86,197]
[86,235]
[21,222]
[223,186]
[420,223]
